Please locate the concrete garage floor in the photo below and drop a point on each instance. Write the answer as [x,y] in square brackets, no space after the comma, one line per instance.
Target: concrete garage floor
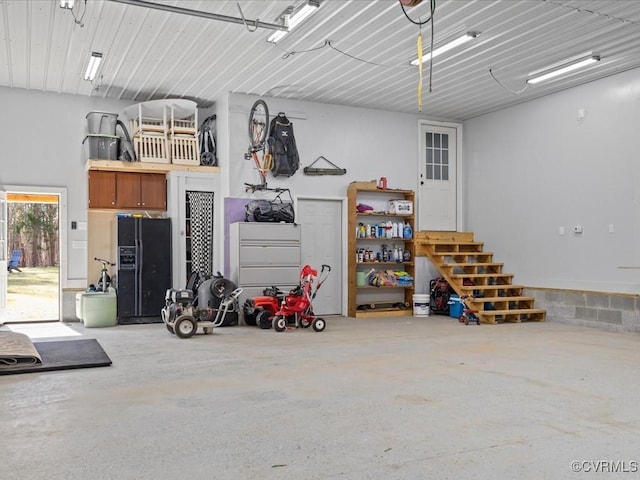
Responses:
[394,398]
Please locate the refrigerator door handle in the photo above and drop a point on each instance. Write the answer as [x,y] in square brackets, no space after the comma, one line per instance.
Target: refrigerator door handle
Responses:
[138,276]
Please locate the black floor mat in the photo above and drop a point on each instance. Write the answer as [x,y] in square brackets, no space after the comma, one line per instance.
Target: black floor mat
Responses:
[65,354]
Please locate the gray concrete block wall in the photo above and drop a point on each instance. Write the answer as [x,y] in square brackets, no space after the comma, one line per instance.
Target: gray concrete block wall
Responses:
[610,311]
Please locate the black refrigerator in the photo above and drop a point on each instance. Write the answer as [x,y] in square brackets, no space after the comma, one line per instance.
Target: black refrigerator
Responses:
[144,268]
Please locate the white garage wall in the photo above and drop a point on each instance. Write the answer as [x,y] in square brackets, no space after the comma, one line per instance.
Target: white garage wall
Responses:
[568,159]
[41,136]
[367,143]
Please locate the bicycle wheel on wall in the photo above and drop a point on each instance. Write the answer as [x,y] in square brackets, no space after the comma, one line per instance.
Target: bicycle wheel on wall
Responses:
[258,124]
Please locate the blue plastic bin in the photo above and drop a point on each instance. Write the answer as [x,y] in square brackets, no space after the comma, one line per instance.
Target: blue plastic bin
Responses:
[456,306]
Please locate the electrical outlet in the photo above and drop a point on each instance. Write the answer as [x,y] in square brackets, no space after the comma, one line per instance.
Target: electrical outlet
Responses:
[560,230]
[611,229]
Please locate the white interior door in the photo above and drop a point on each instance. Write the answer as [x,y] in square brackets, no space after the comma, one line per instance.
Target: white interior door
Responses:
[438,193]
[3,249]
[322,244]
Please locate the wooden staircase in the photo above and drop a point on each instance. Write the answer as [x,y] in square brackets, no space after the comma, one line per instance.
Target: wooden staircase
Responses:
[471,271]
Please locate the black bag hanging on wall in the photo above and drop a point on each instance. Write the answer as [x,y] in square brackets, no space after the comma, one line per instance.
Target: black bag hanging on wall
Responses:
[282,147]
[276,210]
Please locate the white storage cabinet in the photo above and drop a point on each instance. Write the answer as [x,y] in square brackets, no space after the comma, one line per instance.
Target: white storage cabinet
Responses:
[264,255]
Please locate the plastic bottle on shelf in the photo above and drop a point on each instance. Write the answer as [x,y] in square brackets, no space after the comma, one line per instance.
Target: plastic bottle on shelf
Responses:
[407,231]
[406,255]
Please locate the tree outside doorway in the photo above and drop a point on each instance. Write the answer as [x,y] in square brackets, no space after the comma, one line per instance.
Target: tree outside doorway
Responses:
[33,290]
[33,229]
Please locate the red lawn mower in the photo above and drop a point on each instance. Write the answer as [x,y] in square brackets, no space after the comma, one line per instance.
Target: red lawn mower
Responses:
[259,311]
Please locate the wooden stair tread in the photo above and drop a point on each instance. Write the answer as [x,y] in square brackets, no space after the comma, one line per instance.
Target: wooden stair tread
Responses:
[456,253]
[489,287]
[516,298]
[519,311]
[449,242]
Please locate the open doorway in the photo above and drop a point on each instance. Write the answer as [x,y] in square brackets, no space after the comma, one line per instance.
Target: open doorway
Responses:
[33,254]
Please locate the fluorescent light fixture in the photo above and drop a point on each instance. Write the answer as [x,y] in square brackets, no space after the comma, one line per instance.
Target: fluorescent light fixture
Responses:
[294,20]
[66,4]
[562,69]
[92,67]
[446,47]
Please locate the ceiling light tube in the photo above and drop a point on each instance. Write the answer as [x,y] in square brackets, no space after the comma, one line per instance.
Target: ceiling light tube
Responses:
[446,47]
[563,69]
[66,4]
[294,20]
[92,67]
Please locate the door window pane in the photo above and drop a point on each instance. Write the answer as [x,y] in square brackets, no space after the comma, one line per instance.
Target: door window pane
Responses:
[437,156]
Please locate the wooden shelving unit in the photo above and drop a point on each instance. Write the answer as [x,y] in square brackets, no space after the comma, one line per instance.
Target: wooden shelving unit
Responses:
[385,297]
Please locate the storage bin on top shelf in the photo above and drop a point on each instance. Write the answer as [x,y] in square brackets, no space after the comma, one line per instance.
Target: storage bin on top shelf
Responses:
[165,131]
[400,207]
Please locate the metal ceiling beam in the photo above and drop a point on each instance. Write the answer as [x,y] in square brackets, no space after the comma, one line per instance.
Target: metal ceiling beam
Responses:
[200,13]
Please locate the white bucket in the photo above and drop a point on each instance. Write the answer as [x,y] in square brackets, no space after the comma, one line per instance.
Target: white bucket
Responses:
[421,305]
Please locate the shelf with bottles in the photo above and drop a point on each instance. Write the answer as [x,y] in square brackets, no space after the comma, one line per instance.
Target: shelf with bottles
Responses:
[375,262]
[387,230]
[395,254]
[381,213]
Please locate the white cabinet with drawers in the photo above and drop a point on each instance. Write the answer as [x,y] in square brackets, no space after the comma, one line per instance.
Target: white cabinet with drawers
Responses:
[264,255]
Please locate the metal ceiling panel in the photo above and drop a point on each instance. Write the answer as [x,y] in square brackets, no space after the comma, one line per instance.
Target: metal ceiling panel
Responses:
[350,52]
